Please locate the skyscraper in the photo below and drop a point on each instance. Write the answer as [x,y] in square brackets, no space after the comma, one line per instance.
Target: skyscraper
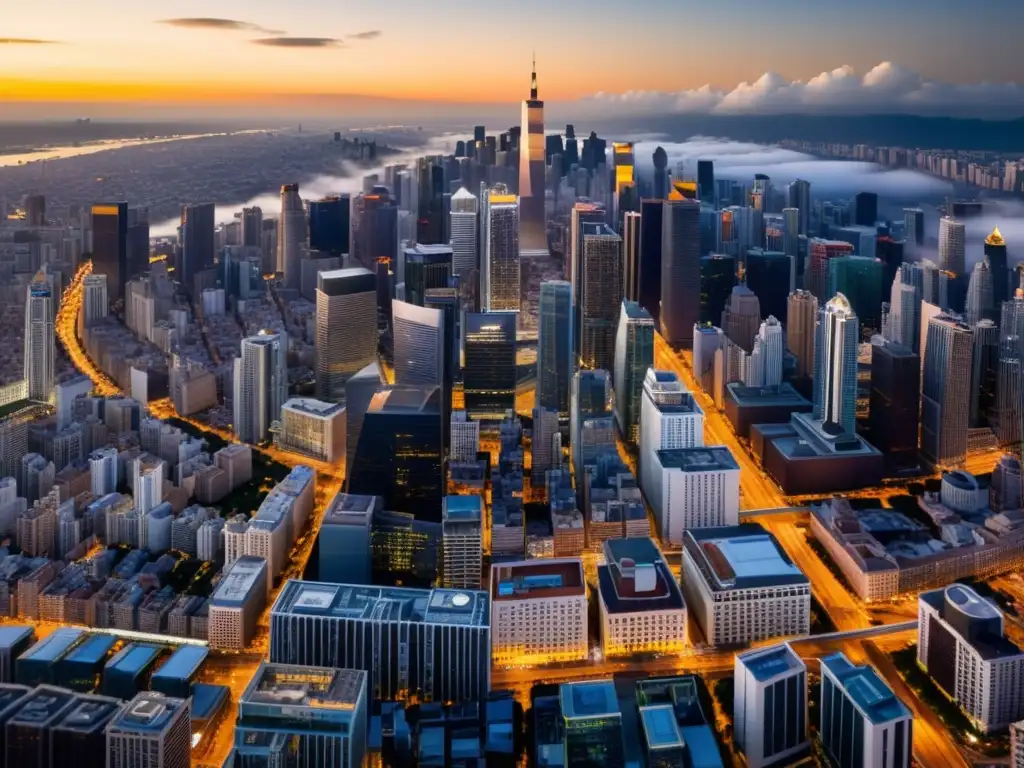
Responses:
[465,243]
[952,244]
[489,375]
[94,302]
[346,328]
[680,270]
[802,312]
[631,255]
[39,339]
[800,198]
[329,224]
[820,252]
[980,294]
[554,347]
[984,372]
[251,223]
[197,242]
[770,275]
[765,366]
[770,705]
[649,289]
[152,731]
[399,456]
[945,399]
[706,181]
[583,214]
[138,242]
[422,267]
[359,391]
[532,226]
[291,235]
[634,354]
[760,193]
[261,385]
[499,273]
[895,403]
[859,279]
[865,209]
[835,365]
[742,317]
[995,254]
[904,326]
[660,174]
[913,225]
[419,344]
[601,295]
[717,279]
[110,246]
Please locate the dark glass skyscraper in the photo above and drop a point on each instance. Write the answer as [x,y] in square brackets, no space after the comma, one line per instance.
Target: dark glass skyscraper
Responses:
[425,267]
[995,254]
[660,174]
[680,270]
[554,347]
[138,242]
[769,276]
[717,278]
[329,224]
[706,181]
[489,376]
[895,403]
[649,290]
[197,242]
[399,456]
[110,246]
[865,209]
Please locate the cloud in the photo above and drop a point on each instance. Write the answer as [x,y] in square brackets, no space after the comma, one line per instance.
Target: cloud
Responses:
[300,42]
[230,25]
[370,34]
[25,41]
[885,88]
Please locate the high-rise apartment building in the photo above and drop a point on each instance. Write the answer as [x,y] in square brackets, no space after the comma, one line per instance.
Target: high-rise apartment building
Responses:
[835,365]
[765,364]
[346,328]
[261,385]
[291,235]
[110,246]
[465,243]
[94,302]
[669,418]
[680,270]
[631,222]
[39,339]
[634,354]
[555,359]
[431,644]
[533,226]
[499,269]
[952,246]
[770,705]
[913,226]
[980,294]
[601,295]
[945,395]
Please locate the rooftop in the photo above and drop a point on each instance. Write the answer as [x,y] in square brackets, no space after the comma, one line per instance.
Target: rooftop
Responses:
[868,692]
[244,575]
[133,658]
[591,699]
[660,727]
[537,579]
[742,556]
[314,407]
[148,712]
[41,706]
[357,602]
[782,395]
[11,636]
[184,663]
[404,400]
[298,686]
[55,646]
[768,663]
[88,713]
[93,650]
[351,509]
[462,509]
[981,619]
[702,459]
[637,578]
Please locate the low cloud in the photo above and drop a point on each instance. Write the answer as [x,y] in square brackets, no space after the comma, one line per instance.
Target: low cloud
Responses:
[25,41]
[885,88]
[230,25]
[300,42]
[371,34]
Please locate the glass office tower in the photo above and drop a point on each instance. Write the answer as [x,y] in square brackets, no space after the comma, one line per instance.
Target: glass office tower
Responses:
[490,372]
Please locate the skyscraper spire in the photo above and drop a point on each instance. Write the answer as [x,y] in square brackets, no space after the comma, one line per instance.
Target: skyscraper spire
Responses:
[533,79]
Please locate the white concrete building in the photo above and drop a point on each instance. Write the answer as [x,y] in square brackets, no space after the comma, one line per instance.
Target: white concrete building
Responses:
[699,488]
[151,731]
[313,428]
[741,587]
[961,643]
[465,437]
[642,607]
[669,418]
[237,602]
[770,706]
[538,611]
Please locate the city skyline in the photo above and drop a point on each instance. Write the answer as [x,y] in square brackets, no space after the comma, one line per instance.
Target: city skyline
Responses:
[230,57]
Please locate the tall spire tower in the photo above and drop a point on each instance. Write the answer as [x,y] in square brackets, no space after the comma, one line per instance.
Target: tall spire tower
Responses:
[532,227]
